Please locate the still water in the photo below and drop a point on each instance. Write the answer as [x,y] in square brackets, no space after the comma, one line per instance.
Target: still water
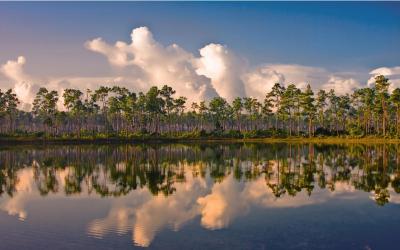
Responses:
[200,196]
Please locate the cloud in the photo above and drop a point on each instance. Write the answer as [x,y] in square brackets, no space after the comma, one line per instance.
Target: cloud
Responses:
[159,65]
[23,83]
[215,71]
[392,73]
[340,85]
[14,69]
[146,214]
[260,80]
[143,215]
[223,205]
[386,71]
[26,85]
[26,191]
[224,69]
[15,206]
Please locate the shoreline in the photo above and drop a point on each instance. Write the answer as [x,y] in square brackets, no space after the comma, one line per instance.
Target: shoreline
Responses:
[122,140]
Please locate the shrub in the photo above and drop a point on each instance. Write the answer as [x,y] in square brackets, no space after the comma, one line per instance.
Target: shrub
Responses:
[257,134]
[233,134]
[322,132]
[355,131]
[203,133]
[39,134]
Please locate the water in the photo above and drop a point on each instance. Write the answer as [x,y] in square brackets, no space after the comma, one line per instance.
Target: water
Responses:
[200,196]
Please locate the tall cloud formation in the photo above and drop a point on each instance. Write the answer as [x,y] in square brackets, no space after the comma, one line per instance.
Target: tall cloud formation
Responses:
[158,65]
[224,69]
[23,86]
[216,71]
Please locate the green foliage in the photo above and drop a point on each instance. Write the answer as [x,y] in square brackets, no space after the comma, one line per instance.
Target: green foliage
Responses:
[285,111]
[355,131]
[235,134]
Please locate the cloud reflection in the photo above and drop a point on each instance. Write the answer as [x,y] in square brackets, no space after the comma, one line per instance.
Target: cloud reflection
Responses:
[146,197]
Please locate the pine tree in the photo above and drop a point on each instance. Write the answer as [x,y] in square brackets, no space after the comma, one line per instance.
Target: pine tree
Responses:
[276,93]
[395,100]
[308,107]
[45,106]
[382,86]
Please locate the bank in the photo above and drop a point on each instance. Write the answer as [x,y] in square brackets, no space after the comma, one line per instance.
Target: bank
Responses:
[4,140]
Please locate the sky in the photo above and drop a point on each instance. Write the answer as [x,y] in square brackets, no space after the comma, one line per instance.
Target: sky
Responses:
[202,49]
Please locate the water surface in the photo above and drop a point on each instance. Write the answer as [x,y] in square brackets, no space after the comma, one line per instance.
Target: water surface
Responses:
[199,196]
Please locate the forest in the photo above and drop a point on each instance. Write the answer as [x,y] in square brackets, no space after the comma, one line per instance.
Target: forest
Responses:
[286,111]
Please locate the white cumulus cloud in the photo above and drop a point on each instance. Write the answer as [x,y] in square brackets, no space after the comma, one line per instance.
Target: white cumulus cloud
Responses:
[393,73]
[260,80]
[341,85]
[216,71]
[224,69]
[159,65]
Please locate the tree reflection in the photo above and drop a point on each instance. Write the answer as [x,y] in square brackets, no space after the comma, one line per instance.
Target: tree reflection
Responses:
[287,168]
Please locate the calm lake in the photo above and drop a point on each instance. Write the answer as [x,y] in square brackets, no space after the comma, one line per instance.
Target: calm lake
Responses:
[200,196]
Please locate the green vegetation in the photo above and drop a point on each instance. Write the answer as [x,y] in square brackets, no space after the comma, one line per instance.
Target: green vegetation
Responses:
[286,112]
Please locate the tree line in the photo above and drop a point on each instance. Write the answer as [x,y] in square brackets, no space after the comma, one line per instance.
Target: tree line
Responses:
[285,111]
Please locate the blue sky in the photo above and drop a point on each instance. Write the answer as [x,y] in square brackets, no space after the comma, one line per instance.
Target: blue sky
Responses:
[337,36]
[329,34]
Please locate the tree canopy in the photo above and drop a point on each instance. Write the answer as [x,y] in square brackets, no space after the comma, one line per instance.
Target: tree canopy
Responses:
[285,111]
